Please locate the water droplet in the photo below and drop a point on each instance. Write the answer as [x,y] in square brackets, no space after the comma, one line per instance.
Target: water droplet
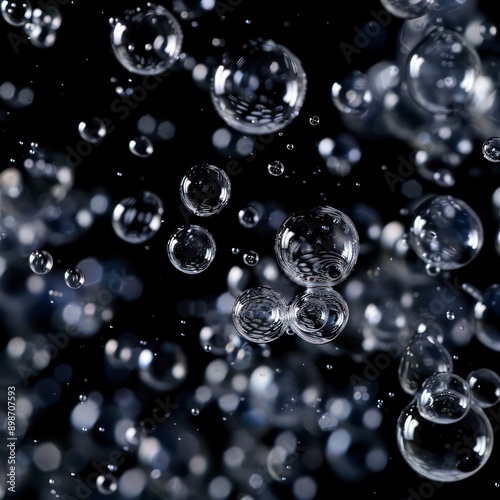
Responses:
[195,411]
[92,131]
[249,216]
[106,484]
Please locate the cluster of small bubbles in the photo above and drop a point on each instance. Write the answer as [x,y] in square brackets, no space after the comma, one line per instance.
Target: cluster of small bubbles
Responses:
[16,13]
[146,41]
[141,146]
[136,219]
[41,29]
[275,168]
[484,384]
[446,233]
[93,130]
[205,189]
[40,261]
[340,153]
[74,277]
[251,258]
[249,216]
[491,149]
[260,89]
[317,246]
[192,9]
[191,249]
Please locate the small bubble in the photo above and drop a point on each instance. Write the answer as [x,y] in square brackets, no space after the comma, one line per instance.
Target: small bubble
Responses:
[289,147]
[314,120]
[195,411]
[251,258]
[208,348]
[74,277]
[276,168]
[329,367]
[450,315]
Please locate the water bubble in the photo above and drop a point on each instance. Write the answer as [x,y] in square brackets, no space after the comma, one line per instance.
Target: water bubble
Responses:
[450,315]
[136,219]
[47,15]
[317,246]
[146,41]
[314,120]
[442,71]
[352,95]
[445,232]
[491,149]
[290,147]
[260,89]
[486,315]
[251,258]
[195,411]
[205,190]
[141,146]
[260,314]
[275,168]
[106,484]
[191,249]
[74,277]
[16,13]
[40,261]
[407,9]
[92,131]
[249,216]
[484,385]
[318,314]
[192,9]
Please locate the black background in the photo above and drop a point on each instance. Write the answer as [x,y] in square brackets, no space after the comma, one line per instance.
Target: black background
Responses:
[76,79]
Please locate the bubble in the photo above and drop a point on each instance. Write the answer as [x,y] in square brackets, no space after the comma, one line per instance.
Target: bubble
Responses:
[195,411]
[205,190]
[486,315]
[317,246]
[192,9]
[445,232]
[276,168]
[92,131]
[491,149]
[16,13]
[314,120]
[249,216]
[191,249]
[146,41]
[260,314]
[47,15]
[318,314]
[251,258]
[484,386]
[260,89]
[406,9]
[444,452]
[40,261]
[141,146]
[352,95]
[442,71]
[106,484]
[74,277]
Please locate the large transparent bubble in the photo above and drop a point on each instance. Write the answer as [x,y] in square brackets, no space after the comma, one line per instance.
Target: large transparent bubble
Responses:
[146,41]
[260,89]
[317,246]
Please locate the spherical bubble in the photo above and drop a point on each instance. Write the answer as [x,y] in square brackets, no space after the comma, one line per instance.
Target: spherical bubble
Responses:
[205,190]
[318,315]
[406,9]
[191,249]
[442,71]
[146,41]
[260,314]
[249,216]
[260,89]
[16,13]
[491,149]
[484,386]
[445,232]
[141,146]
[444,452]
[352,94]
[275,168]
[444,398]
[486,317]
[74,277]
[192,9]
[317,246]
[93,130]
[136,219]
[251,258]
[106,484]
[40,261]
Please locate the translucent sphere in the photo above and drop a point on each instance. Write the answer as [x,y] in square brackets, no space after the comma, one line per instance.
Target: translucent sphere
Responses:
[486,318]
[260,89]
[40,261]
[406,9]
[146,41]
[484,387]
[141,146]
[92,131]
[260,314]
[106,484]
[491,149]
[442,71]
[74,277]
[249,216]
[444,398]
[205,190]
[136,219]
[16,13]
[317,246]
[318,315]
[191,249]
[444,452]
[445,232]
[353,94]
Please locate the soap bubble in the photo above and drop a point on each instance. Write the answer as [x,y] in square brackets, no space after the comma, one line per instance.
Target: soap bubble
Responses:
[352,94]
[318,315]
[16,13]
[249,216]
[444,452]
[491,149]
[146,41]
[92,131]
[275,168]
[444,398]
[406,9]
[136,219]
[317,246]
[442,71]
[141,146]
[260,314]
[205,190]
[484,386]
[191,249]
[445,232]
[106,484]
[260,89]
[40,261]
[74,277]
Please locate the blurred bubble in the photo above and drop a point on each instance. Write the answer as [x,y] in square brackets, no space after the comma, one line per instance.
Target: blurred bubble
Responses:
[249,216]
[106,484]
[407,9]
[352,94]
[16,13]
[93,130]
[192,9]
[141,146]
